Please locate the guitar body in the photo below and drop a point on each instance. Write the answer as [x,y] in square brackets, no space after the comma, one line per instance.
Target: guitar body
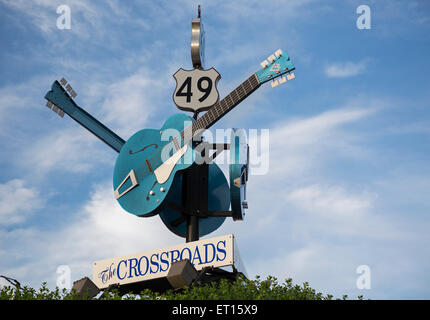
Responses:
[142,153]
[218,200]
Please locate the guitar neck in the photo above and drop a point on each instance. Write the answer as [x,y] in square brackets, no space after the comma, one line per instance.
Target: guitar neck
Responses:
[64,102]
[96,128]
[222,107]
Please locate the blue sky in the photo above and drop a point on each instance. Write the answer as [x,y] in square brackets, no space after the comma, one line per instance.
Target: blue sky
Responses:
[349,176]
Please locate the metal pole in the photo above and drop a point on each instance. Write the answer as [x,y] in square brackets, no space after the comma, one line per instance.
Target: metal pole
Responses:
[193,175]
[192,228]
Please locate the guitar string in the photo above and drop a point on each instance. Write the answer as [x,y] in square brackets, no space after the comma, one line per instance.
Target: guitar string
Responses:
[248,87]
[223,106]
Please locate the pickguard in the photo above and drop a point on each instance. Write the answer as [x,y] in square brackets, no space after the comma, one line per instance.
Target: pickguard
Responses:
[163,172]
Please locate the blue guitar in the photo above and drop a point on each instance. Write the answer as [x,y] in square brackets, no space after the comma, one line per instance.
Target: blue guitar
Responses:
[239,172]
[148,162]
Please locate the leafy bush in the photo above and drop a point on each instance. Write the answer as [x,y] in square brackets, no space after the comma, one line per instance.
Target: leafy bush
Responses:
[240,289]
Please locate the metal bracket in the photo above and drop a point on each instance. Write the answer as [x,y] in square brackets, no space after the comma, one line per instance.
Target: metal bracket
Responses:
[195,191]
[197,213]
[204,147]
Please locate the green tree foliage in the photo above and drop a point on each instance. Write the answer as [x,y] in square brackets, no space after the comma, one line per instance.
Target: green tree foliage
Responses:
[240,289]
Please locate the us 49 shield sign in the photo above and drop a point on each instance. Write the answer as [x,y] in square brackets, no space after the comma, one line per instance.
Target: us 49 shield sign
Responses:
[196,89]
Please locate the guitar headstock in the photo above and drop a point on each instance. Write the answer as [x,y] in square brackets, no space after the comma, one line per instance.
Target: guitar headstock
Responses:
[60,96]
[276,65]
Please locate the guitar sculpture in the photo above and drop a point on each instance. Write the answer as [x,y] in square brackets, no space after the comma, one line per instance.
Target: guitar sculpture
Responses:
[149,161]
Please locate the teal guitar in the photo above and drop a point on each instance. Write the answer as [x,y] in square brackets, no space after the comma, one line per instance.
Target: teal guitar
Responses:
[149,161]
[239,172]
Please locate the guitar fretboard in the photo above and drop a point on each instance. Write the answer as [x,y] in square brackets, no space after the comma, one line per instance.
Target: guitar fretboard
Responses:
[221,108]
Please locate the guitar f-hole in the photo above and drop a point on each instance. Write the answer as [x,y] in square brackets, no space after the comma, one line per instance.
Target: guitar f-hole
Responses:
[152,144]
[149,166]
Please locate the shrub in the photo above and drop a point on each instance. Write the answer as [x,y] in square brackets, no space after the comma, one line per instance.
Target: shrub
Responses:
[240,289]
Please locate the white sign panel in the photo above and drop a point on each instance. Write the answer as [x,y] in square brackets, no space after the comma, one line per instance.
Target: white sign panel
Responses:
[196,89]
[215,252]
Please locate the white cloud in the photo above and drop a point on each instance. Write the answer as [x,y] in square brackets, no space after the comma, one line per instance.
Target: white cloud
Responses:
[345,69]
[70,149]
[328,268]
[40,140]
[42,14]
[125,106]
[17,202]
[331,201]
[17,101]
[100,230]
[299,152]
[310,225]
[105,230]
[128,104]
[300,144]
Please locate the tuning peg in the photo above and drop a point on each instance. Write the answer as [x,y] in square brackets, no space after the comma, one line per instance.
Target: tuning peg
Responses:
[291,76]
[264,64]
[63,81]
[245,204]
[282,80]
[55,108]
[71,91]
[278,53]
[49,104]
[274,83]
[58,110]
[271,58]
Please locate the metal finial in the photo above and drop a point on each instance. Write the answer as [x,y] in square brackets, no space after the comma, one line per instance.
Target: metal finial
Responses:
[197,41]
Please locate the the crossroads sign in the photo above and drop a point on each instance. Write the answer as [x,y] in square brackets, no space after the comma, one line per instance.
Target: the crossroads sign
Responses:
[216,252]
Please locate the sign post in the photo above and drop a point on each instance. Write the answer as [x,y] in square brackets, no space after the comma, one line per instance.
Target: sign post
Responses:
[196,91]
